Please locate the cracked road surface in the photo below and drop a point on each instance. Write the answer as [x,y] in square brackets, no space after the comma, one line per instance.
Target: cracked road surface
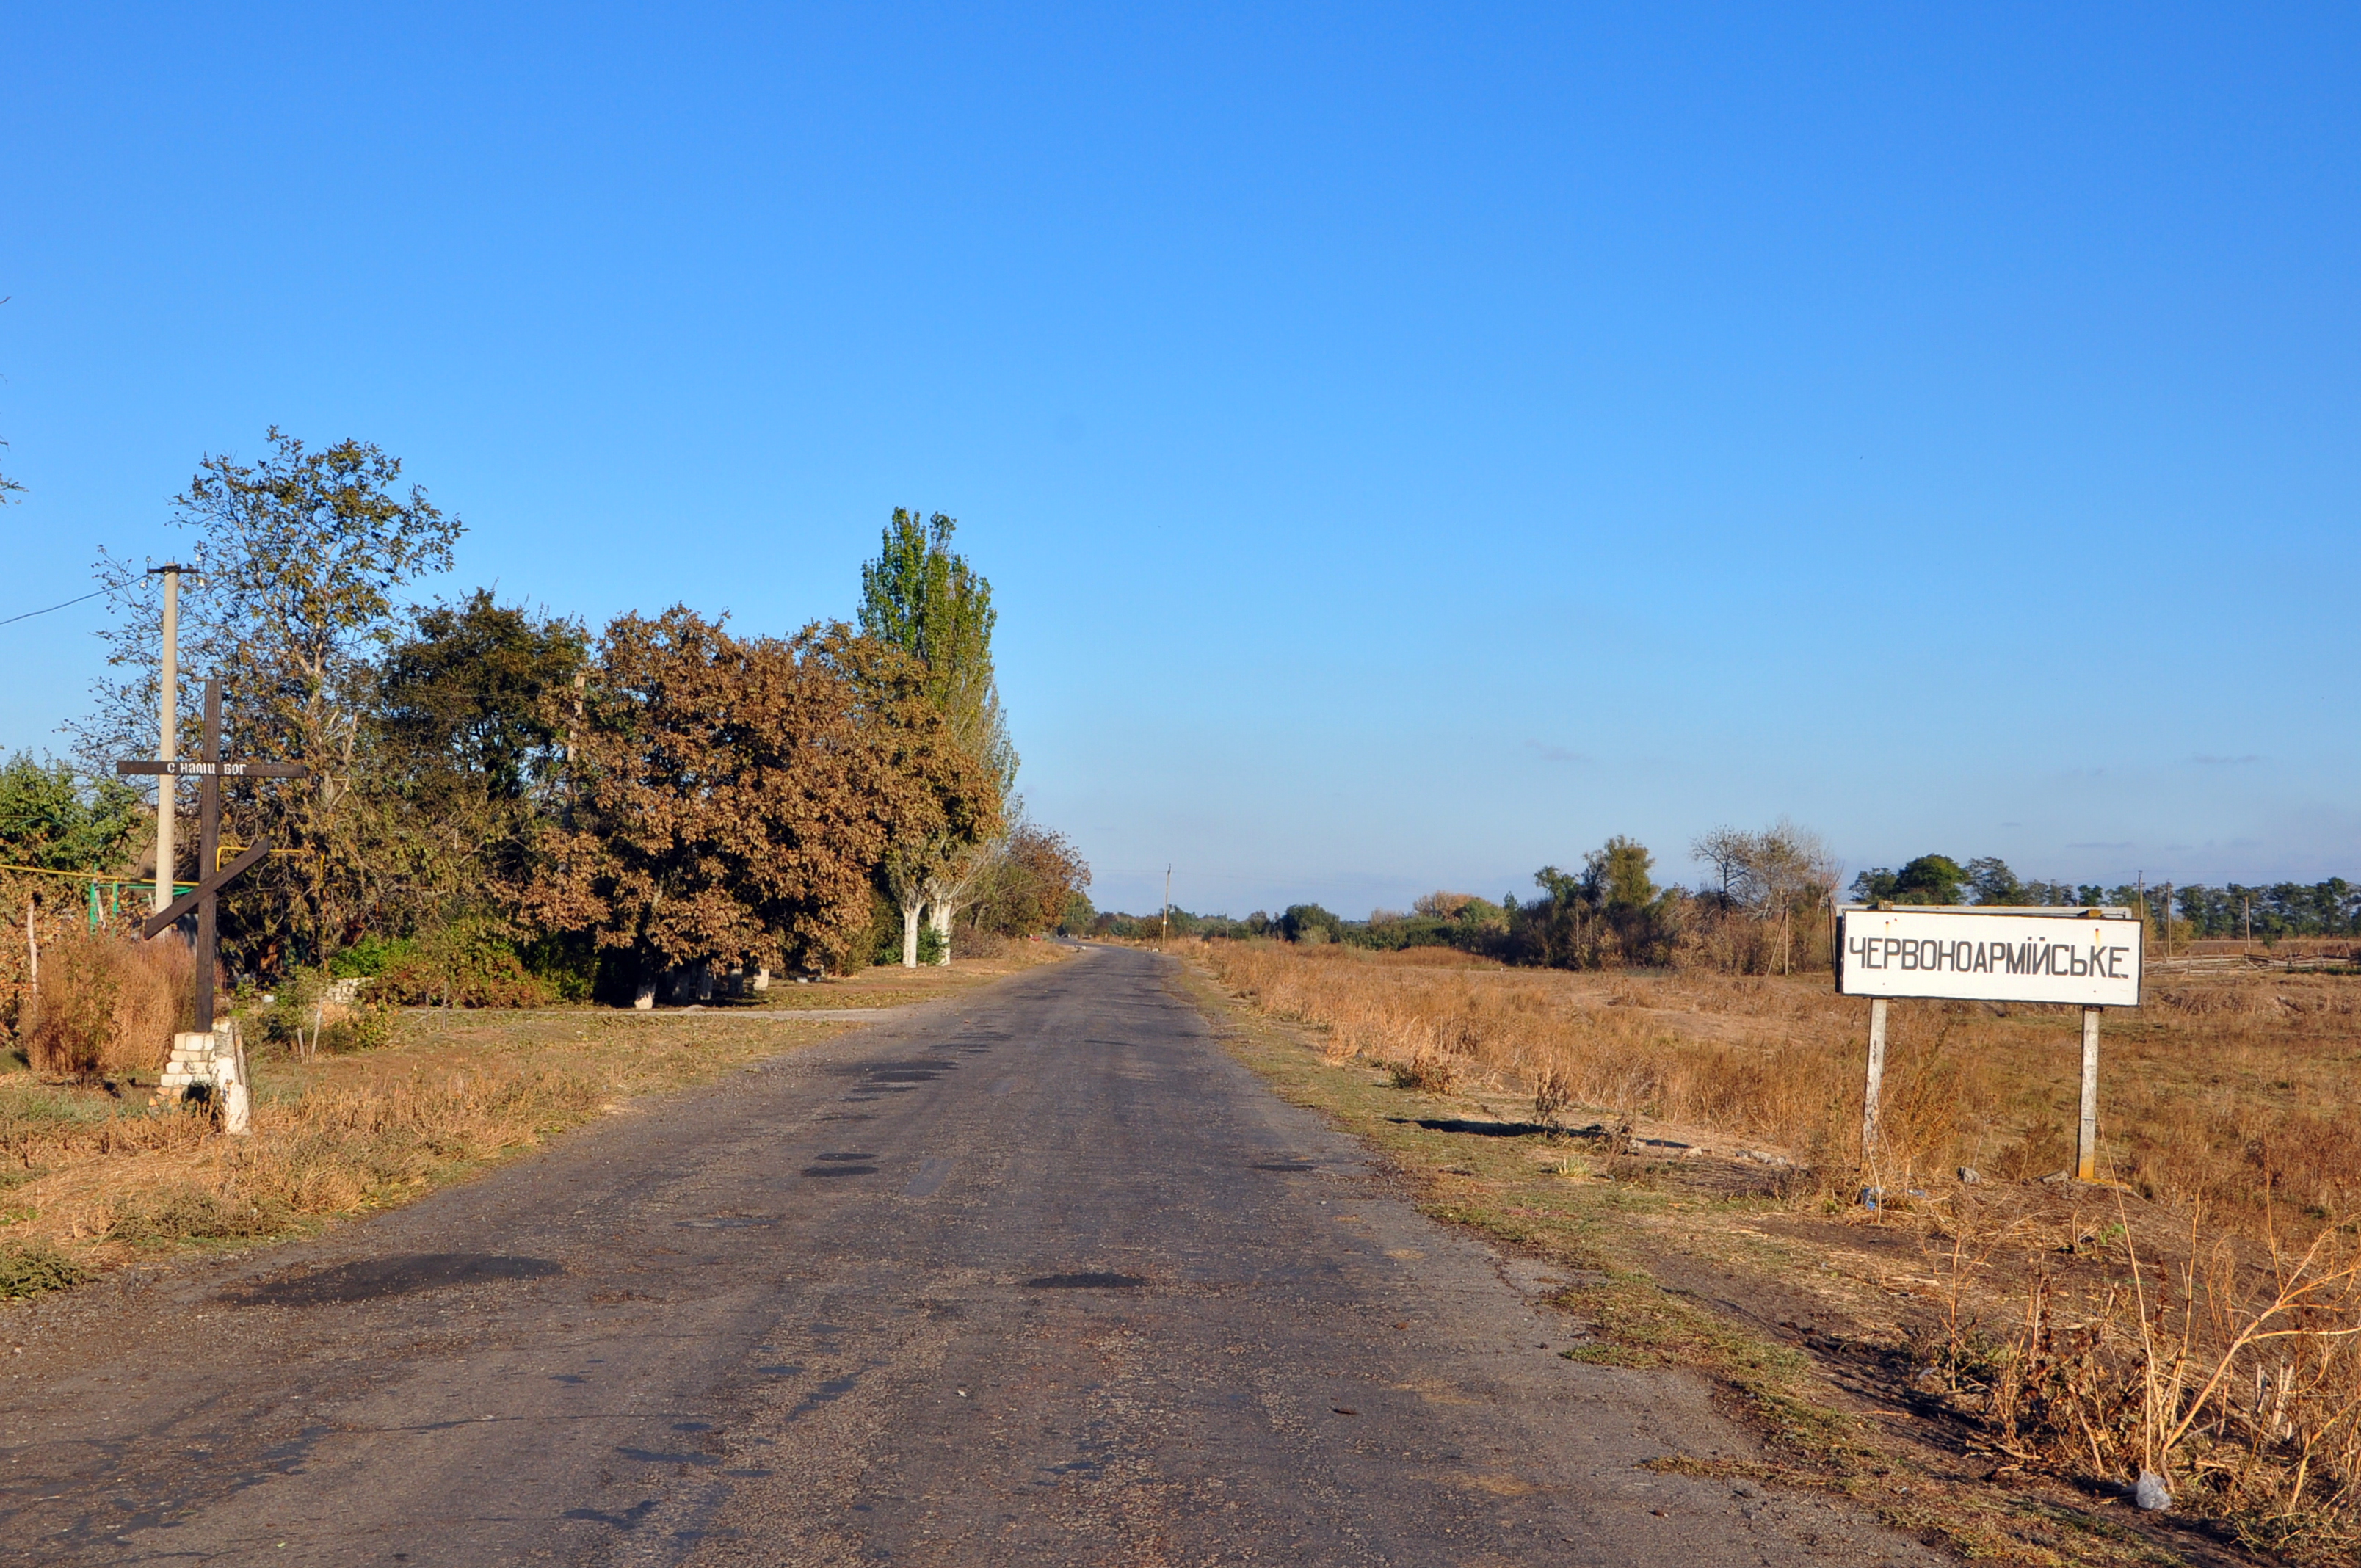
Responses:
[1039,1276]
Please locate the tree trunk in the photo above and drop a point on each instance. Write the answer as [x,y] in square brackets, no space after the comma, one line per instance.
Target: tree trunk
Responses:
[910,913]
[943,929]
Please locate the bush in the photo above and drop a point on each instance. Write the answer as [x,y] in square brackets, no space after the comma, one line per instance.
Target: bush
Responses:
[972,943]
[469,963]
[29,1269]
[370,957]
[186,1213]
[1310,923]
[565,964]
[302,1018]
[107,1006]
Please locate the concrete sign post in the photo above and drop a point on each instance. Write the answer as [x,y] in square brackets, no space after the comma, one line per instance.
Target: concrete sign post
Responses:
[2088,958]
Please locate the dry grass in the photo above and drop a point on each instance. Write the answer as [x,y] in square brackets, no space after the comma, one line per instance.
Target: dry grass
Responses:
[2199,1318]
[2218,1090]
[107,1006]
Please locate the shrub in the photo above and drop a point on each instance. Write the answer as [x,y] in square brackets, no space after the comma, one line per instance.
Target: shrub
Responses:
[107,1006]
[370,957]
[28,1269]
[469,963]
[303,1018]
[185,1214]
[1310,923]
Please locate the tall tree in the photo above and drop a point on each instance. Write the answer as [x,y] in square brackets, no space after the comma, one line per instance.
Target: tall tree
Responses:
[467,733]
[922,597]
[296,559]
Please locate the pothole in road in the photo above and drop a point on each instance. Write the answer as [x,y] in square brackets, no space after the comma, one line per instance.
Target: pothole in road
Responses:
[1088,1281]
[372,1278]
[1288,1167]
[839,1169]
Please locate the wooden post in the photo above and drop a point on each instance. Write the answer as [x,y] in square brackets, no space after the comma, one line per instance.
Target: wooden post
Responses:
[208,850]
[2086,1143]
[1876,1080]
[167,791]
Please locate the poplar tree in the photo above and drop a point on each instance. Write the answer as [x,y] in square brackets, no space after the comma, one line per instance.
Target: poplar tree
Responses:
[923,598]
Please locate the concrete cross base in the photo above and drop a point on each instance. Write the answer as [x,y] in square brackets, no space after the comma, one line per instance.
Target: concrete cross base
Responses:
[216,1061]
[191,1065]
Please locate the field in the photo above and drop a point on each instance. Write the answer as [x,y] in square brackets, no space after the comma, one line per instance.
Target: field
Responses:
[90,1178]
[2009,1352]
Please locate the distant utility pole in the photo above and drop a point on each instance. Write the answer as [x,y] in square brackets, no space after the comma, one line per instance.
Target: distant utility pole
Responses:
[167,747]
[1164,930]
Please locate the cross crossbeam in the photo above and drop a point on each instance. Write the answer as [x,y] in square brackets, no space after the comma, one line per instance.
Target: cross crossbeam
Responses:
[170,915]
[191,767]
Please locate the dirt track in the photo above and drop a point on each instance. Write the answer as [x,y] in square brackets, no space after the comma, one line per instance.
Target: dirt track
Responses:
[1034,1275]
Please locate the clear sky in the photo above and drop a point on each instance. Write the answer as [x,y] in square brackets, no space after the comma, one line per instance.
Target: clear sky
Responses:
[1407,445]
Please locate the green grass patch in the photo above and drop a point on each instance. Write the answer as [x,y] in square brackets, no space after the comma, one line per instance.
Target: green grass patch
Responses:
[29,1270]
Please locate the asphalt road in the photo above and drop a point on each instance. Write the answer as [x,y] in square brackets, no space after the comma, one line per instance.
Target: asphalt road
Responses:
[1039,1276]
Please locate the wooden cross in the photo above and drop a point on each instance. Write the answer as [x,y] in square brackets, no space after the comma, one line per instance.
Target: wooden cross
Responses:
[210,879]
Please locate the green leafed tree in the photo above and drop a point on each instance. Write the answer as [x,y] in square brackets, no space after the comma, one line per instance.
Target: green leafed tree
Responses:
[50,819]
[467,735]
[1929,879]
[923,598]
[295,561]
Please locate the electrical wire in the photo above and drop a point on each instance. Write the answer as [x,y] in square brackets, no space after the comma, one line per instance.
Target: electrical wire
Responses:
[30,613]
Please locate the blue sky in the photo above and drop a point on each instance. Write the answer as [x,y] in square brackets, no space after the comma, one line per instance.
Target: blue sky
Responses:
[1407,445]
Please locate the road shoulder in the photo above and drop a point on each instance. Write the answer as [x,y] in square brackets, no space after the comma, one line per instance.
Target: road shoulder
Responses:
[1665,1275]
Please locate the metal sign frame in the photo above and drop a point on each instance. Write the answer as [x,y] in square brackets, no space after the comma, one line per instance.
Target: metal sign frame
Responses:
[1990,953]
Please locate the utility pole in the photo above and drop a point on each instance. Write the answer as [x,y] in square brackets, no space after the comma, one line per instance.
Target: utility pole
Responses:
[167,746]
[1164,928]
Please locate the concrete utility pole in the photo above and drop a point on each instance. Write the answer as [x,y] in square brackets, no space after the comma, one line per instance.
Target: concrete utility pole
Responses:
[1164,921]
[167,745]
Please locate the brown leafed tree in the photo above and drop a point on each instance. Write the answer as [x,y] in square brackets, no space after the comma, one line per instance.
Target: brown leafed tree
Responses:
[731,799]
[1034,872]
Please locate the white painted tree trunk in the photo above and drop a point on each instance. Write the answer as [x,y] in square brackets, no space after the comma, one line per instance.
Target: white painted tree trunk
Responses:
[943,929]
[644,999]
[910,913]
[229,1079]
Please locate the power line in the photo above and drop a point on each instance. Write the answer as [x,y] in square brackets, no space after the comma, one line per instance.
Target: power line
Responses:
[30,613]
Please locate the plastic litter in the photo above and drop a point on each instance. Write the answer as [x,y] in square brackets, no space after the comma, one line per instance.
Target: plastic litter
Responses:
[2151,1492]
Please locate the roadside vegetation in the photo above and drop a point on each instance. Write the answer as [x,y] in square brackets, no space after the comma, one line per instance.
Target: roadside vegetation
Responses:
[92,1178]
[1993,1352]
[504,809]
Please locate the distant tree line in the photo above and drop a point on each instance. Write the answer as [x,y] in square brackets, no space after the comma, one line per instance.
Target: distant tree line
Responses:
[1766,909]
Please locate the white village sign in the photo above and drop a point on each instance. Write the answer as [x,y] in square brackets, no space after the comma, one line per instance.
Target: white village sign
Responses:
[2084,958]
